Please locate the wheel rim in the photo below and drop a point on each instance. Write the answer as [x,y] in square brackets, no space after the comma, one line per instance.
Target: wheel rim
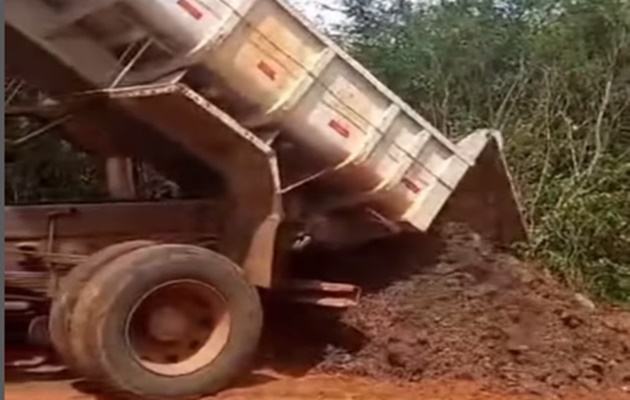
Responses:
[178,327]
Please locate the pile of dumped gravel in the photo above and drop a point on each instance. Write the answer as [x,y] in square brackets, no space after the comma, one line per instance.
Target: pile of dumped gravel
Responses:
[451,307]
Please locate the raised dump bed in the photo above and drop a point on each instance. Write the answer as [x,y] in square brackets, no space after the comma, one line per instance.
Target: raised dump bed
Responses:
[281,74]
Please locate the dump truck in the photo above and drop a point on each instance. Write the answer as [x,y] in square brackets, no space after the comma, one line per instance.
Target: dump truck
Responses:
[278,140]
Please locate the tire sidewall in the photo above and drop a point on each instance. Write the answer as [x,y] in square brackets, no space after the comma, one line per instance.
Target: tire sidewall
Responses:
[154,267]
[66,299]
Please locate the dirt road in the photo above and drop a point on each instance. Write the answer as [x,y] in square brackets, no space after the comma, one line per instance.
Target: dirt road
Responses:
[30,377]
[269,386]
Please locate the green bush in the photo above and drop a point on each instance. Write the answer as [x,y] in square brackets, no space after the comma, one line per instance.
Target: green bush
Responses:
[554,77]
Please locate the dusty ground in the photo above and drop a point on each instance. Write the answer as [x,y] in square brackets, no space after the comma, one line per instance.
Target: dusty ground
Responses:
[463,311]
[448,317]
[30,384]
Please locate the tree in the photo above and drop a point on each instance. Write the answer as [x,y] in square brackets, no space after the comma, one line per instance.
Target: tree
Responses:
[554,76]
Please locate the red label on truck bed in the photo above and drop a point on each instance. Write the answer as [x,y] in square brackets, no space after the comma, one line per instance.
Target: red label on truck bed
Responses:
[411,185]
[190,8]
[267,70]
[339,128]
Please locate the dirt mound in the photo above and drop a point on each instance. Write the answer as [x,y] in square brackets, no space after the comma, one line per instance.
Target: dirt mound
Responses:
[463,311]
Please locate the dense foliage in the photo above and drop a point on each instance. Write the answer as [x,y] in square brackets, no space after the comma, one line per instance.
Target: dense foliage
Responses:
[39,167]
[554,77]
[47,170]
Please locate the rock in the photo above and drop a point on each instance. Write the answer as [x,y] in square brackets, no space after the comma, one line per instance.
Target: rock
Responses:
[483,290]
[592,368]
[555,380]
[446,269]
[572,371]
[571,320]
[620,323]
[589,383]
[517,348]
[621,372]
[585,301]
[397,354]
[541,374]
[465,375]
[422,337]
[623,323]
[535,388]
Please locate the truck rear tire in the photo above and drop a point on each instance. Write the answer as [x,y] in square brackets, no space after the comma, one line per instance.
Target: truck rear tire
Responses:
[66,299]
[167,321]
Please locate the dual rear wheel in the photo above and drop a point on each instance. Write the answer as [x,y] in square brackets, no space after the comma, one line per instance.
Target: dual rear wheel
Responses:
[157,321]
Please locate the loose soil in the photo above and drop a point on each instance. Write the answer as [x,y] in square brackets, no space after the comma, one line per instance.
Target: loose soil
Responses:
[451,307]
[34,384]
[443,316]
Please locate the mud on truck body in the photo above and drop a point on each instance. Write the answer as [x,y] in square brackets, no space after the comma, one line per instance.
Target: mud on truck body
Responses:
[283,139]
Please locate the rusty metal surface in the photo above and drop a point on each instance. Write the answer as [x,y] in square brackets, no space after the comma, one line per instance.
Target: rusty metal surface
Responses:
[155,122]
[120,179]
[36,282]
[90,227]
[487,201]
[325,294]
[102,130]
[111,219]
[27,62]
[181,116]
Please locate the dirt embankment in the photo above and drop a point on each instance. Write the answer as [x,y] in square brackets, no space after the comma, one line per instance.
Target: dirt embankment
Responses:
[442,310]
[451,307]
